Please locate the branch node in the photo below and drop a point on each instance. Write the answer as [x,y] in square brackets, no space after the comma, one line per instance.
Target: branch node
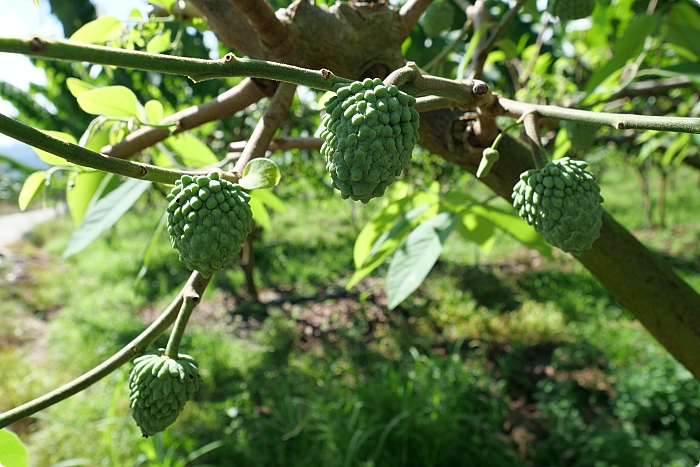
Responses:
[37,44]
[326,73]
[230,57]
[480,88]
[620,126]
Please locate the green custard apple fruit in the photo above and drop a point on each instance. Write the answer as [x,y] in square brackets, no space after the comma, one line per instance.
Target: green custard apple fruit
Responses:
[160,388]
[562,202]
[208,220]
[581,135]
[370,130]
[568,10]
[438,17]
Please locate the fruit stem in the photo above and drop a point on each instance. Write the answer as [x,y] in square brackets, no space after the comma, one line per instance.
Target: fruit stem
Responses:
[191,299]
[532,131]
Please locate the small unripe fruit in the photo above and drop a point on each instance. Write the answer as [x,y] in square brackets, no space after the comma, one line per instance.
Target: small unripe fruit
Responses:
[369,131]
[488,158]
[568,10]
[208,220]
[438,17]
[160,388]
[562,202]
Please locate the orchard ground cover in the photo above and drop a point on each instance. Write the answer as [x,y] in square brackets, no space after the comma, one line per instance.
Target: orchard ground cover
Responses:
[499,359]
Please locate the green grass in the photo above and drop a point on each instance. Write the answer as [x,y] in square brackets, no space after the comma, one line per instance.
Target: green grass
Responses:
[492,361]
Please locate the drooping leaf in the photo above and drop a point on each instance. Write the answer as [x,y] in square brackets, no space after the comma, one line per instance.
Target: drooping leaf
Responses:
[105,213]
[259,211]
[110,101]
[415,258]
[380,222]
[513,225]
[51,158]
[33,185]
[270,199]
[260,173]
[387,243]
[99,31]
[157,232]
[191,150]
[154,111]
[77,86]
[81,188]
[160,43]
[477,229]
[12,451]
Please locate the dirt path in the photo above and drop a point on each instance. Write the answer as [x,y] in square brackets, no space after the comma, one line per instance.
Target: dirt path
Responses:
[14,226]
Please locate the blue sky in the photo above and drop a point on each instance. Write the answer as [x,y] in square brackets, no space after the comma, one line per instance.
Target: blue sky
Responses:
[21,18]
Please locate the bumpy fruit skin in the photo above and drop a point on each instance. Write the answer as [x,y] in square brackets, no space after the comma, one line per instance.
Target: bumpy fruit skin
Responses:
[562,201]
[369,131]
[582,136]
[160,388]
[568,10]
[208,220]
[437,18]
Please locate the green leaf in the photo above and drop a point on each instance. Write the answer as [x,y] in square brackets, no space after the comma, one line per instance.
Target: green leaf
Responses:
[160,43]
[100,137]
[260,173]
[53,159]
[477,229]
[12,451]
[416,257]
[151,245]
[191,150]
[270,199]
[259,211]
[33,185]
[387,243]
[679,142]
[625,48]
[154,111]
[110,101]
[81,188]
[513,225]
[374,228]
[99,31]
[77,86]
[105,213]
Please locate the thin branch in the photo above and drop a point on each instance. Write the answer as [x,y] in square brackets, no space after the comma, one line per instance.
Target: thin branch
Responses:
[544,23]
[411,11]
[267,126]
[224,105]
[282,143]
[652,87]
[499,31]
[479,16]
[261,17]
[231,26]
[137,346]
[517,109]
[196,69]
[85,157]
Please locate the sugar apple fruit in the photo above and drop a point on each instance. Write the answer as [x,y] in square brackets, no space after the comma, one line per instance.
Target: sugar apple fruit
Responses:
[562,201]
[437,18]
[568,10]
[369,131]
[208,220]
[160,387]
[582,135]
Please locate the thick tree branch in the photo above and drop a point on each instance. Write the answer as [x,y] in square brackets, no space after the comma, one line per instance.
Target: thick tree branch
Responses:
[267,126]
[224,105]
[261,17]
[231,26]
[642,282]
[411,11]
[195,285]
[283,143]
[81,156]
